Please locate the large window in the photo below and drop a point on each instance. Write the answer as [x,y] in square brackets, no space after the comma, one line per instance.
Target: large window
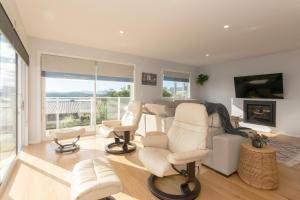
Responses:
[112,98]
[68,102]
[8,115]
[81,92]
[175,85]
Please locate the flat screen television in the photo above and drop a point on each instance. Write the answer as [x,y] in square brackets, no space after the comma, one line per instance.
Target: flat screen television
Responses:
[266,86]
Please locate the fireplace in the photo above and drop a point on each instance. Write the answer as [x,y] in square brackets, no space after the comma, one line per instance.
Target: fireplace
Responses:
[260,112]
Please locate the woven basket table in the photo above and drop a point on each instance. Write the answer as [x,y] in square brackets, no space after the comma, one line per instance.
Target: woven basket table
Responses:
[258,167]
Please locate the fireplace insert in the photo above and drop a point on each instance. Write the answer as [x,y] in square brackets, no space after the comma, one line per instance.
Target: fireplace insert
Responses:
[260,112]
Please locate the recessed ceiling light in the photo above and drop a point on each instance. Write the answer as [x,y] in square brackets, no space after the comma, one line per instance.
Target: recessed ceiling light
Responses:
[207,55]
[122,32]
[226,26]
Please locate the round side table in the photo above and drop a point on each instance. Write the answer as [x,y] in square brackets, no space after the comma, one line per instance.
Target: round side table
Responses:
[258,167]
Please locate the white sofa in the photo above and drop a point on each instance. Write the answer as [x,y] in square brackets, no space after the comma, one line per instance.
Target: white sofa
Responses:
[159,115]
[150,122]
[224,148]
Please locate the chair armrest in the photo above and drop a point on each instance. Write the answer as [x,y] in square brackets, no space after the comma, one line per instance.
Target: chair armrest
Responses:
[155,139]
[187,156]
[111,123]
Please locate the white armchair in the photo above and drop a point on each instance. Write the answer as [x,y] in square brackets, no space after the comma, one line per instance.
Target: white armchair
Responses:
[122,130]
[178,150]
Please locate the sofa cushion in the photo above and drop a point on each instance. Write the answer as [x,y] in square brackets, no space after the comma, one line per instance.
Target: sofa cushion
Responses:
[67,133]
[212,131]
[157,109]
[180,101]
[168,103]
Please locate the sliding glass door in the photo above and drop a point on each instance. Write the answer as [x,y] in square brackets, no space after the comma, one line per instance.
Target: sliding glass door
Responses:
[8,113]
[22,104]
[80,92]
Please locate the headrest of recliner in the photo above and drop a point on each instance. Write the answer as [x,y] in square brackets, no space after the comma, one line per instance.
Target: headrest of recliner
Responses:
[192,113]
[134,106]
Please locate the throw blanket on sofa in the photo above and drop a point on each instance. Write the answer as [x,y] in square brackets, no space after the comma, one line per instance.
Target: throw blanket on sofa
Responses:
[225,119]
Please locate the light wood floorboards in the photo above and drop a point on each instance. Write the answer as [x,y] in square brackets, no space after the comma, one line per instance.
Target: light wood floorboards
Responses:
[42,174]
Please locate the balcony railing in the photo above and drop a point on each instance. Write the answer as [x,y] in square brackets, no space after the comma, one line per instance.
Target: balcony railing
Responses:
[63,112]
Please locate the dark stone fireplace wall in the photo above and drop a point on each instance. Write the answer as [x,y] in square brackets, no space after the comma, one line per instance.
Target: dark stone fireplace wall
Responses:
[260,112]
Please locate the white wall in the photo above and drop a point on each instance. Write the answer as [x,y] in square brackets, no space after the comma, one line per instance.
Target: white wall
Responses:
[220,87]
[142,64]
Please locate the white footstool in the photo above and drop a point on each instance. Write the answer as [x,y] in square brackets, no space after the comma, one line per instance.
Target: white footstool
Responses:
[67,133]
[93,180]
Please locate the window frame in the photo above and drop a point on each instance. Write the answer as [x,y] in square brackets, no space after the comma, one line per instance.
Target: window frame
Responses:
[174,96]
[44,136]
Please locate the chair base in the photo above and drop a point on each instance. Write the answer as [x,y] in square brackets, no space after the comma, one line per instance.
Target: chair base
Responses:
[109,198]
[187,194]
[64,148]
[125,148]
[125,144]
[67,148]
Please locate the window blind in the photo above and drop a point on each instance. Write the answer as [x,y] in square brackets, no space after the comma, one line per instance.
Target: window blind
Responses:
[114,72]
[176,76]
[75,68]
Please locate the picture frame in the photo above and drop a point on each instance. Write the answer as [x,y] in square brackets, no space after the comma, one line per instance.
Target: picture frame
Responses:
[149,79]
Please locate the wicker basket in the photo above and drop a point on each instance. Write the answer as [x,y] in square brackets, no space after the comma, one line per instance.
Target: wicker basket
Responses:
[258,167]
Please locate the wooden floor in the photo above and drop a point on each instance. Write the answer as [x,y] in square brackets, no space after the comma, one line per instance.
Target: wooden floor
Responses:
[42,174]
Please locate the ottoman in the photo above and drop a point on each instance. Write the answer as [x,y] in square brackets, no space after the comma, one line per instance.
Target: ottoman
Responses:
[64,134]
[94,179]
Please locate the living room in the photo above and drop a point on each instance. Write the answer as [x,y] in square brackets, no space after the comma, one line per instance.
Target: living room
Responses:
[149,100]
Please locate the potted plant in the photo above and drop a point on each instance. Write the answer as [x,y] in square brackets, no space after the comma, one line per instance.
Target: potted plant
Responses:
[259,141]
[202,78]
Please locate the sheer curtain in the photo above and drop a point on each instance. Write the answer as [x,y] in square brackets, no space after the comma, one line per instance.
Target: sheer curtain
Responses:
[8,115]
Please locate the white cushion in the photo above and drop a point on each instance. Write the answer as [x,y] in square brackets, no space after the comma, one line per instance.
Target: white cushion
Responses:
[156,109]
[93,180]
[67,133]
[191,113]
[129,122]
[186,142]
[155,139]
[186,137]
[155,160]
[106,131]
[133,114]
[189,128]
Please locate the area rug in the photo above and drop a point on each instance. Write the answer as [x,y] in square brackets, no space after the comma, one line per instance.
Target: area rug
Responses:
[287,153]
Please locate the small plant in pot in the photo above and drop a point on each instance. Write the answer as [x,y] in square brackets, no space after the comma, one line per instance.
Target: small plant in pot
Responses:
[259,141]
[202,78]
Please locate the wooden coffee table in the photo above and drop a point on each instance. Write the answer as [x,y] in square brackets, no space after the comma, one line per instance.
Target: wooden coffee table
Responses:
[258,167]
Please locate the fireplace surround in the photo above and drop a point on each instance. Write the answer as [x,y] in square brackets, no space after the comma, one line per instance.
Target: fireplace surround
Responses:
[260,112]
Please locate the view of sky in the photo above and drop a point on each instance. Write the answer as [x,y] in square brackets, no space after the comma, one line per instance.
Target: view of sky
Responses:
[77,85]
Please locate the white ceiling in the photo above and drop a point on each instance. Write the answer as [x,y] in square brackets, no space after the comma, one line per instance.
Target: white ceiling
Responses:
[183,31]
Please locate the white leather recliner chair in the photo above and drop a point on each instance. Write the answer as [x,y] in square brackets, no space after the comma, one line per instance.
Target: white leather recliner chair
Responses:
[177,151]
[122,130]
